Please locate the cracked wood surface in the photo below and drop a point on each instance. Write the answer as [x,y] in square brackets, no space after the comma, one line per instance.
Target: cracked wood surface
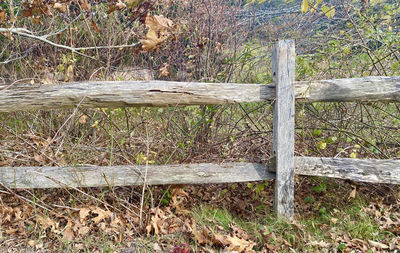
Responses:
[101,176]
[20,97]
[361,170]
[283,73]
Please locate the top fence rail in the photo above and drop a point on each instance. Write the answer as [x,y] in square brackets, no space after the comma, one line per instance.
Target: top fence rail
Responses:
[19,97]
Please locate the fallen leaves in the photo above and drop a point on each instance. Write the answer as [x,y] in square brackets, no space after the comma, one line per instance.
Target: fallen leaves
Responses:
[101,214]
[230,243]
[172,220]
[164,222]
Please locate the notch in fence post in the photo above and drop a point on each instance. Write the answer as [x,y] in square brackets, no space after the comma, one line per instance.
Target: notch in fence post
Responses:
[282,161]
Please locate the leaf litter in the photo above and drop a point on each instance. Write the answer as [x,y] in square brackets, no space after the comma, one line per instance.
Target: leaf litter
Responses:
[167,222]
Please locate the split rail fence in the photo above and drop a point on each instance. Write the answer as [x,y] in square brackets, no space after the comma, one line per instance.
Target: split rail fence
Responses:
[283,164]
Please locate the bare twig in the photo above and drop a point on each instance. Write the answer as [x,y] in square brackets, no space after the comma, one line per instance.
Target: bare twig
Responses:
[28,34]
[145,177]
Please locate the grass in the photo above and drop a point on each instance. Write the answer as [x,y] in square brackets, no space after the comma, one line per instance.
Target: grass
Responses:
[326,216]
[332,221]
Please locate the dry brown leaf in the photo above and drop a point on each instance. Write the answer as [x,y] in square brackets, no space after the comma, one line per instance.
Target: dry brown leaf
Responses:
[11,231]
[83,213]
[352,194]
[120,5]
[201,238]
[220,240]
[79,246]
[218,46]
[83,230]
[157,248]
[101,215]
[68,234]
[17,214]
[95,27]
[27,13]
[85,4]
[320,244]
[395,243]
[32,243]
[159,23]
[378,245]
[47,222]
[83,119]
[159,31]
[239,232]
[154,221]
[240,245]
[152,41]
[61,7]
[3,16]
[164,70]
[111,9]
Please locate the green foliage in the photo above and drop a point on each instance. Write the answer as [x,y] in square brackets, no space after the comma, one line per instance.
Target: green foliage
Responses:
[320,188]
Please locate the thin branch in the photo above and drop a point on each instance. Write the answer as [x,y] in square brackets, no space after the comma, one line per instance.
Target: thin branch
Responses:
[28,34]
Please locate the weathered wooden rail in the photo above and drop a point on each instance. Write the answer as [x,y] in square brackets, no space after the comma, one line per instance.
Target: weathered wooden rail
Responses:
[94,94]
[283,165]
[361,170]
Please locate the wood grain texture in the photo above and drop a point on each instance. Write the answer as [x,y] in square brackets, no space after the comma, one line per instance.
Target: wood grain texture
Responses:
[361,170]
[127,93]
[100,176]
[373,88]
[20,97]
[283,73]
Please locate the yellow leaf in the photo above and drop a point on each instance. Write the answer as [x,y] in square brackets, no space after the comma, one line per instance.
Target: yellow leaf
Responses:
[314,8]
[321,145]
[328,11]
[304,6]
[353,155]
[95,124]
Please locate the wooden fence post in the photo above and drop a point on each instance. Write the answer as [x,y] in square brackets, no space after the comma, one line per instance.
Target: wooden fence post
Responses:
[283,74]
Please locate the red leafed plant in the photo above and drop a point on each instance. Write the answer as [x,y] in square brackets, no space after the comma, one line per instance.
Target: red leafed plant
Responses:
[182,248]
